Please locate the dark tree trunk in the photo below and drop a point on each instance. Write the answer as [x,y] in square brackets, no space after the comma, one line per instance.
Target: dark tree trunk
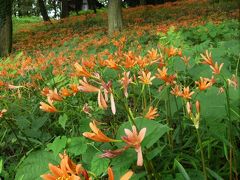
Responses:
[65,10]
[5,27]
[114,16]
[43,10]
[92,5]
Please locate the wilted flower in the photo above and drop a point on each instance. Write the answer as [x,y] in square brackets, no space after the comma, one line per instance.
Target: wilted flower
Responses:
[125,81]
[195,118]
[54,96]
[113,153]
[86,87]
[233,81]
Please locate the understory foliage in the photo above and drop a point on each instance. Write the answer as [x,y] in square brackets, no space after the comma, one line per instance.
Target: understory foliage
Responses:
[158,101]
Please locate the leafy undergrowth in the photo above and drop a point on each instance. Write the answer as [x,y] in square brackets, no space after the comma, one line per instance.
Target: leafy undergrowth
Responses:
[169,60]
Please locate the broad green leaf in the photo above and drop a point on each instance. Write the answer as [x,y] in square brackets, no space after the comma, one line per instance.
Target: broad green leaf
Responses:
[77,146]
[99,165]
[35,165]
[58,145]
[62,120]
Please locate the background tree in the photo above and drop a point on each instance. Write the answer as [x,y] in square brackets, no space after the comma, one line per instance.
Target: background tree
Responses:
[65,9]
[43,10]
[5,27]
[114,16]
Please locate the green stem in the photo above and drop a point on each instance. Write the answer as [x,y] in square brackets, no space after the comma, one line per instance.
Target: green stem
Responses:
[202,155]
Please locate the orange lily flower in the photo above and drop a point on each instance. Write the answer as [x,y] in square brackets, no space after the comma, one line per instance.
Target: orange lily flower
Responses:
[45,91]
[48,107]
[81,70]
[186,94]
[74,88]
[146,78]
[153,54]
[216,69]
[126,176]
[111,63]
[97,134]
[54,96]
[207,58]
[176,91]
[162,74]
[85,87]
[134,139]
[152,113]
[66,170]
[204,83]
[65,92]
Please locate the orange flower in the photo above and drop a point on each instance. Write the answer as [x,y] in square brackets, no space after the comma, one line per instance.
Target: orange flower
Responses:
[2,112]
[85,87]
[74,88]
[126,176]
[130,60]
[125,81]
[134,139]
[162,74]
[45,91]
[48,107]
[97,134]
[66,170]
[216,69]
[153,54]
[204,83]
[186,94]
[81,70]
[146,78]
[65,92]
[176,91]
[207,58]
[54,96]
[101,101]
[152,113]
[111,63]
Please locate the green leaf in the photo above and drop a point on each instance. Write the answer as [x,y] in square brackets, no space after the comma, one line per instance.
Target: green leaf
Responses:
[77,146]
[35,165]
[214,174]
[58,145]
[99,165]
[62,120]
[181,169]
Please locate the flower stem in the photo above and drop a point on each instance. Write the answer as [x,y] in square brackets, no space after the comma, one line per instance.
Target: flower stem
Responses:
[202,155]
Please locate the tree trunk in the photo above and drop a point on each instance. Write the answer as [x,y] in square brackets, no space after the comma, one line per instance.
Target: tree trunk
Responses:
[43,10]
[92,5]
[142,2]
[5,27]
[65,10]
[114,16]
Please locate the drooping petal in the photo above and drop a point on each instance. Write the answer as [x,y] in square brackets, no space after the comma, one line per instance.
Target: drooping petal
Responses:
[113,107]
[142,134]
[110,174]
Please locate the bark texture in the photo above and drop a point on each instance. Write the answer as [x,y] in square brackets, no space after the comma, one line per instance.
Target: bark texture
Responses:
[114,16]
[5,27]
[43,10]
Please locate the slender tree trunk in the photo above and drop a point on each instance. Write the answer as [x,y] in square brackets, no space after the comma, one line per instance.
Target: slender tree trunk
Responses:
[114,16]
[65,10]
[5,27]
[43,10]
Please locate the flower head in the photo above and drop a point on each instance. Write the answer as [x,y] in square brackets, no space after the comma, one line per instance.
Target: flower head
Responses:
[125,81]
[81,71]
[134,139]
[146,78]
[2,112]
[204,83]
[152,113]
[48,107]
[186,94]
[97,134]
[216,69]
[207,58]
